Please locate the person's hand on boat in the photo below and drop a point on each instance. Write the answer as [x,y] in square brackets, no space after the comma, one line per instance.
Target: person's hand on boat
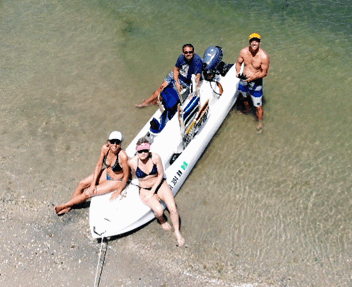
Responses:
[178,86]
[239,75]
[114,196]
[190,96]
[123,193]
[242,76]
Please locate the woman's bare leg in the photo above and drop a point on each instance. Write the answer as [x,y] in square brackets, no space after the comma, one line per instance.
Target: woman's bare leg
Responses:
[166,195]
[64,208]
[79,196]
[82,185]
[154,203]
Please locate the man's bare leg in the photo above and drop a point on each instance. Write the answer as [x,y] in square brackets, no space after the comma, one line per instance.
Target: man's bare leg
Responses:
[153,99]
[260,115]
[248,109]
[245,101]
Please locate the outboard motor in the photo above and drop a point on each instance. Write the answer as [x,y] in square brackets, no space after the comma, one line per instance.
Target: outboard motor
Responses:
[213,64]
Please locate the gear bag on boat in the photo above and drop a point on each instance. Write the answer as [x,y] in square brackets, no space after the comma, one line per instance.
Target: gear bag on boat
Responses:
[170,100]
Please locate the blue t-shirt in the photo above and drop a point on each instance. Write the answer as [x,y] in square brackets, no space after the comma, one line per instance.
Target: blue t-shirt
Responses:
[189,69]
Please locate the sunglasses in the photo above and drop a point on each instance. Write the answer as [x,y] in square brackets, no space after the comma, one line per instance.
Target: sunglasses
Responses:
[188,52]
[143,150]
[115,141]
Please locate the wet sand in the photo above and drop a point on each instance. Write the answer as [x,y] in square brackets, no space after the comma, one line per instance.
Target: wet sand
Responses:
[42,249]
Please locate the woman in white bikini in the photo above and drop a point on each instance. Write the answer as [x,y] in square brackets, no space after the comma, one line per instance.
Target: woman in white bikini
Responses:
[111,174]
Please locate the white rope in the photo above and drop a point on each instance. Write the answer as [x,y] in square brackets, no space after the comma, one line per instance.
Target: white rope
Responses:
[96,273]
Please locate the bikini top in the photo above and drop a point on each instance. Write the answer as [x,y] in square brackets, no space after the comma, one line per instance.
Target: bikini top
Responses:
[141,174]
[116,167]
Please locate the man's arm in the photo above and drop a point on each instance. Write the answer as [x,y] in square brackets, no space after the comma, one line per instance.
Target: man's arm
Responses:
[198,68]
[198,78]
[176,72]
[240,60]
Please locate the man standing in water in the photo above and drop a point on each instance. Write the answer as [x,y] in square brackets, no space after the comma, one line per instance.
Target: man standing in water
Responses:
[256,67]
[187,64]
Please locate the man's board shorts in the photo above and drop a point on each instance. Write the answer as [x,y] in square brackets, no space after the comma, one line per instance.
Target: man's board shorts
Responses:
[185,87]
[255,89]
[170,79]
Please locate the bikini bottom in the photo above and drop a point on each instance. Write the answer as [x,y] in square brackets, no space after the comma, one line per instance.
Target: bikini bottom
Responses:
[149,188]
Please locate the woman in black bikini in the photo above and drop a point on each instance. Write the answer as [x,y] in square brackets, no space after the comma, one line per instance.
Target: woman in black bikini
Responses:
[111,174]
[148,168]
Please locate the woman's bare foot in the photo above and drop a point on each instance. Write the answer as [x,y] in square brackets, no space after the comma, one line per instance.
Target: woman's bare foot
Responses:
[180,239]
[165,225]
[60,210]
[260,128]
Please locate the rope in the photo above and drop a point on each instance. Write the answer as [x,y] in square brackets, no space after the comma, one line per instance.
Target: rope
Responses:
[96,283]
[213,88]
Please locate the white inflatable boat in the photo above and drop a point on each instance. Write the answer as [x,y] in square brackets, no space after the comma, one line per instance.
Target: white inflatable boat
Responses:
[180,143]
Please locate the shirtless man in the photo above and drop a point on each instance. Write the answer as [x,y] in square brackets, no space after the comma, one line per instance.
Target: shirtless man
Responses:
[187,64]
[256,67]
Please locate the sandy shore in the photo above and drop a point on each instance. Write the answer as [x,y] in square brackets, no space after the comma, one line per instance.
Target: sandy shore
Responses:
[41,249]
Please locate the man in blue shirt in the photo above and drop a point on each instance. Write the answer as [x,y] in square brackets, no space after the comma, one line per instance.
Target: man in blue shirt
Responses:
[187,64]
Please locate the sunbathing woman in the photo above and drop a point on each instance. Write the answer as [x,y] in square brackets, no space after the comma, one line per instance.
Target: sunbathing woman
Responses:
[112,177]
[148,168]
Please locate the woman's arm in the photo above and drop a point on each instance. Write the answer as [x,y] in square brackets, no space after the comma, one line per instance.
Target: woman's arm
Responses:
[132,163]
[98,168]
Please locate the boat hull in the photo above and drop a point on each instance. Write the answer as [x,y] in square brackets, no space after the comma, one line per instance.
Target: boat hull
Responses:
[128,213]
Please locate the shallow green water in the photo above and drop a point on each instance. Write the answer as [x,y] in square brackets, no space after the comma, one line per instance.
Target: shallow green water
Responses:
[271,208]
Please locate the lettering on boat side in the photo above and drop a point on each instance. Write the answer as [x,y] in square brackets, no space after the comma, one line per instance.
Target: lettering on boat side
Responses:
[173,181]
[178,175]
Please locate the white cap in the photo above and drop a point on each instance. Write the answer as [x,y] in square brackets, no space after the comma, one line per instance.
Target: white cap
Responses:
[116,136]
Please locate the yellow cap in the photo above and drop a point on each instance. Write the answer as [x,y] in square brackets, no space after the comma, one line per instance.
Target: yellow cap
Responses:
[254,35]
